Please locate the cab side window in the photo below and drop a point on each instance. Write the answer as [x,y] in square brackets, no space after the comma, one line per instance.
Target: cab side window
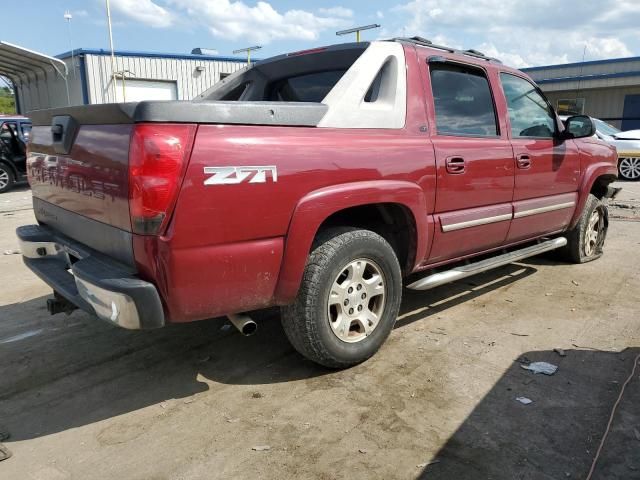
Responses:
[530,114]
[463,102]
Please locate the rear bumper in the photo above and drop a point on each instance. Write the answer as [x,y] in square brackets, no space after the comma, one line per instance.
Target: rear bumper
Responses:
[93,282]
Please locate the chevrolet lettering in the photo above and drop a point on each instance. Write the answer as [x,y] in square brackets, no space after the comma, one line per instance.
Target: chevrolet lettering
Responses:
[235,175]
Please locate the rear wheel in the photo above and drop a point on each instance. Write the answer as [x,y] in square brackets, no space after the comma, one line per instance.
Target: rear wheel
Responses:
[585,241]
[348,301]
[629,168]
[6,178]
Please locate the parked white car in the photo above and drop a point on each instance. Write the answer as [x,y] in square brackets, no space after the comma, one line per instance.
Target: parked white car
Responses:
[627,144]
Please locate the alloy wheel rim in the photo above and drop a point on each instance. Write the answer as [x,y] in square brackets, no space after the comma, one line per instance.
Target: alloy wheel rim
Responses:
[593,234]
[630,167]
[356,300]
[4,178]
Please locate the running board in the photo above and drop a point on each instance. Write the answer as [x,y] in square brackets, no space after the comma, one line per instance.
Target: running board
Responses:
[464,271]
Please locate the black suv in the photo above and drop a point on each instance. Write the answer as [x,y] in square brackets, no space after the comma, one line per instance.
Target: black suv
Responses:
[14,135]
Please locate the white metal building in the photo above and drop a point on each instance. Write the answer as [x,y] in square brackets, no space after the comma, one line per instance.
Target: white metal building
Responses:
[41,81]
[606,89]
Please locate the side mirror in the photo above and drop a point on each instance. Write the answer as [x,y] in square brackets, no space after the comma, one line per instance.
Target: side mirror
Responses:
[579,126]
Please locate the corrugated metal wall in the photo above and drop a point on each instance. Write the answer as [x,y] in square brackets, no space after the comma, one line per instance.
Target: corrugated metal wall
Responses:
[606,104]
[48,90]
[587,83]
[190,82]
[603,85]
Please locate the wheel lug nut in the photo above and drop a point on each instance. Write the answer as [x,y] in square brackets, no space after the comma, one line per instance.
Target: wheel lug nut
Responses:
[364,295]
[351,311]
[359,308]
[359,287]
[346,302]
[350,290]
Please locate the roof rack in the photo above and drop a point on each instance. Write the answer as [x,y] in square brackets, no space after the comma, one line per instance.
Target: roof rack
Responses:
[428,43]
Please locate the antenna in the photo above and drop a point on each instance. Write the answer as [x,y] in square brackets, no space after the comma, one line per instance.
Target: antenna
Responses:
[248,50]
[584,53]
[113,56]
[357,30]
[67,16]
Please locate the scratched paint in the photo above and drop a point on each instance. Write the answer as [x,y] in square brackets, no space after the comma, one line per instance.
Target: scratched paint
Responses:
[22,336]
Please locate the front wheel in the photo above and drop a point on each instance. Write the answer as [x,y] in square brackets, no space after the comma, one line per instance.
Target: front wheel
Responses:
[585,241]
[348,301]
[629,168]
[6,178]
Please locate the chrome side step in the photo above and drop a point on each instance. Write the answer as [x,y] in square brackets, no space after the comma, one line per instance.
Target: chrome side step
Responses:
[464,271]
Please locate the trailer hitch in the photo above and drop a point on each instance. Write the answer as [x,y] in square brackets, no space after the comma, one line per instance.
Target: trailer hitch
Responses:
[59,304]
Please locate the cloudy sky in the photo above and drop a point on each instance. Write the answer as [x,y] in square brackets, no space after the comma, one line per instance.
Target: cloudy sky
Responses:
[520,32]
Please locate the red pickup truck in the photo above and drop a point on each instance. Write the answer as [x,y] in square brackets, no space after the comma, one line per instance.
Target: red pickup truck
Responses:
[318,181]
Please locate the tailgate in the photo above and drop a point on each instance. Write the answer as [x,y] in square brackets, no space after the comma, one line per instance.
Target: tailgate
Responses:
[78,171]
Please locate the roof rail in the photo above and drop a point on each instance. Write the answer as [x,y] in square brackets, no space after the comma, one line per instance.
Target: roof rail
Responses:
[428,43]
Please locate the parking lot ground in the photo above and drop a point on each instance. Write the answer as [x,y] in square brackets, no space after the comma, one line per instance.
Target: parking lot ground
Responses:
[82,399]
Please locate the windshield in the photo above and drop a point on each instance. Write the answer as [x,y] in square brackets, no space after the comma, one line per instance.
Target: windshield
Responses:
[605,128]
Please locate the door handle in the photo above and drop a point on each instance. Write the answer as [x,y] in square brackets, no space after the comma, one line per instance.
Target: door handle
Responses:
[455,165]
[523,161]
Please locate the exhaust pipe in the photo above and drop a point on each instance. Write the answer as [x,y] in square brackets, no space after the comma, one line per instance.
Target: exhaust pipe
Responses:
[244,324]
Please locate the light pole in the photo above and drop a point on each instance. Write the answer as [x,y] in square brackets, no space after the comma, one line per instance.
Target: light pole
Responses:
[248,50]
[68,17]
[113,56]
[357,30]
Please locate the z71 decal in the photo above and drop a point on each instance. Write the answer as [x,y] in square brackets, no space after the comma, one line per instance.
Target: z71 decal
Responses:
[235,175]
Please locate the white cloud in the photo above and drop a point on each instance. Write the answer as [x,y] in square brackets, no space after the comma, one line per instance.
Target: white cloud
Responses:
[234,20]
[572,50]
[144,11]
[528,32]
[379,14]
[604,47]
[336,12]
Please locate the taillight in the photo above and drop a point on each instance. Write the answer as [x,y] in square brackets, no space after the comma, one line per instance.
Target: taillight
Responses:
[158,157]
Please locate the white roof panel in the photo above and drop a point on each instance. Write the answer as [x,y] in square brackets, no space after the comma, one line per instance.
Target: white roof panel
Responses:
[18,62]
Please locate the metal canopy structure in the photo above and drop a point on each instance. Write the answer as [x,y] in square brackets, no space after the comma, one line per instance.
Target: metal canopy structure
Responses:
[25,67]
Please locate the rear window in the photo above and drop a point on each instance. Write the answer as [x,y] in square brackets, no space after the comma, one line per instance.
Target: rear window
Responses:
[297,77]
[312,87]
[463,101]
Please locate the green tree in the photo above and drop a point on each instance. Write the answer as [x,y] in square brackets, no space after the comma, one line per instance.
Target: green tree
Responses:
[7,101]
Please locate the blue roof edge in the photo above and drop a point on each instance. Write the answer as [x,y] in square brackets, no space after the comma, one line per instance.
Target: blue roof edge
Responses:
[579,64]
[133,53]
[595,76]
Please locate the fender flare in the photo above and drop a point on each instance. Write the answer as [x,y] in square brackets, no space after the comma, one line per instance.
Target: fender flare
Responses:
[315,207]
[591,174]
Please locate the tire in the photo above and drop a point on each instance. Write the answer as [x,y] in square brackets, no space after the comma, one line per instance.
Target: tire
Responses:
[7,178]
[629,168]
[348,300]
[586,240]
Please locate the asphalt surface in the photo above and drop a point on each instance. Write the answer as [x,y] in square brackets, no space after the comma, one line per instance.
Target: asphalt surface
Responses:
[82,399]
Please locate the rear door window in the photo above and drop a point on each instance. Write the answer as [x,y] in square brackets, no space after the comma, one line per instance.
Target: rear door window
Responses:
[8,129]
[463,101]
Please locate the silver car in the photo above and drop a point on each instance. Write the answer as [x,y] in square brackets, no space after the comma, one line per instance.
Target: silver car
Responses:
[627,144]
